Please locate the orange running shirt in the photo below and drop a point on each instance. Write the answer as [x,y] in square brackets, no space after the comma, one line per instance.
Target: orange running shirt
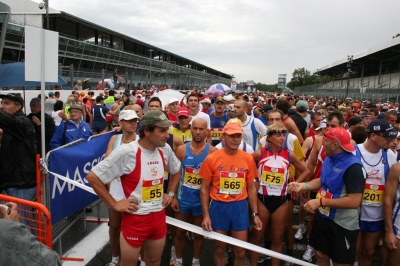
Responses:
[228,174]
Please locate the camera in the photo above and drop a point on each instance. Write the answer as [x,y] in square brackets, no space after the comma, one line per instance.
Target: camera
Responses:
[41,5]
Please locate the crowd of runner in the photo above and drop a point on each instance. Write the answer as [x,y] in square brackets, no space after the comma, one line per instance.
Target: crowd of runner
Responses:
[239,165]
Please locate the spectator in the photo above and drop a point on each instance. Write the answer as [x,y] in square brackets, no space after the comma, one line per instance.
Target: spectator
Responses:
[99,113]
[58,114]
[17,153]
[49,125]
[86,84]
[18,246]
[72,129]
[49,103]
[78,86]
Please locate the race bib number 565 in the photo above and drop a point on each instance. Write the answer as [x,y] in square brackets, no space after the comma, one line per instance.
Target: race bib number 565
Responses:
[231,183]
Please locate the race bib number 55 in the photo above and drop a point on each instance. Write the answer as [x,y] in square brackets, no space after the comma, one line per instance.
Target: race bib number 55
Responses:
[231,183]
[152,191]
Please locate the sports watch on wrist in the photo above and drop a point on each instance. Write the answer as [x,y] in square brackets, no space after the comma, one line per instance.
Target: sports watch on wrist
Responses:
[254,214]
[171,194]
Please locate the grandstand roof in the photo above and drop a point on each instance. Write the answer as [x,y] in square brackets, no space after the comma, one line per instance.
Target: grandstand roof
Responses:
[383,52]
[67,24]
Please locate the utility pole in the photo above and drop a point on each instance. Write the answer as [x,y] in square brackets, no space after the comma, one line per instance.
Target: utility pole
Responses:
[349,62]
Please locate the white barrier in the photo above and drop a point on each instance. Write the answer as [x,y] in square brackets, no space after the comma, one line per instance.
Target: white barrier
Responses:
[199,230]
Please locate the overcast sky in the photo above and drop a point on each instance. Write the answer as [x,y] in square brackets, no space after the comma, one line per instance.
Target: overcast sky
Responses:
[251,39]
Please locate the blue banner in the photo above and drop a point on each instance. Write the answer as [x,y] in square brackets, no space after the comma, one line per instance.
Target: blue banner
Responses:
[75,163]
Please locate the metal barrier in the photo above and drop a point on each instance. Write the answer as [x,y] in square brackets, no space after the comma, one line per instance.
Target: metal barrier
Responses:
[371,94]
[62,226]
[37,218]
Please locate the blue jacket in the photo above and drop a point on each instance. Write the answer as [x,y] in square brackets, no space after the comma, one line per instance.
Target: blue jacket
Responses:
[332,175]
[72,133]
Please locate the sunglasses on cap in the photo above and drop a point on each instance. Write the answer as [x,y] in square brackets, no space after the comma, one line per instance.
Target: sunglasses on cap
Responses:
[271,132]
[389,136]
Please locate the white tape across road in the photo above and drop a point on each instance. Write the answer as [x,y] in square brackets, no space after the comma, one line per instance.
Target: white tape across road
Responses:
[200,231]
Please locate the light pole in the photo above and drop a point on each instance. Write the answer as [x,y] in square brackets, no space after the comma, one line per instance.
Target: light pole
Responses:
[151,59]
[349,62]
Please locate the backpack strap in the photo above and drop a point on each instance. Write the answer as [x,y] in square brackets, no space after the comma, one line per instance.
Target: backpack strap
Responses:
[64,139]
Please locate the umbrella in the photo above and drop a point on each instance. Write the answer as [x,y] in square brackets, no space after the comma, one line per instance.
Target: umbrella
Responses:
[214,92]
[220,86]
[110,84]
[13,75]
[167,95]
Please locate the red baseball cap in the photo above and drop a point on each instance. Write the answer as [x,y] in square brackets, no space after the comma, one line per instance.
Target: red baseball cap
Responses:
[184,112]
[340,136]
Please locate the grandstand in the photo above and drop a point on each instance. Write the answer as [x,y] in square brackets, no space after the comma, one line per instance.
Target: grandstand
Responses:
[86,48]
[375,74]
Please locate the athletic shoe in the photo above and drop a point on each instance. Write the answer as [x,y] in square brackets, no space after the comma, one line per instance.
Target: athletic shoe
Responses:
[226,258]
[309,253]
[197,263]
[173,258]
[177,263]
[296,208]
[112,264]
[263,257]
[300,232]
[286,263]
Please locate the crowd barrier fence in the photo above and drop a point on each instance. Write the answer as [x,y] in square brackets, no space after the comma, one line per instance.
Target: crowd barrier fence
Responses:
[36,218]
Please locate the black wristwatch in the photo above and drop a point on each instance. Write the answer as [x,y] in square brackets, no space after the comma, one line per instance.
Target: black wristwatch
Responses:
[254,214]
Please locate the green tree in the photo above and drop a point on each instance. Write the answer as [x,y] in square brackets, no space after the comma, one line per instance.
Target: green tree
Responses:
[267,87]
[302,77]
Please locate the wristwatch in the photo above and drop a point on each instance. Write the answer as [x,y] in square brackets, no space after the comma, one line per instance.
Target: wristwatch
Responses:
[171,194]
[254,214]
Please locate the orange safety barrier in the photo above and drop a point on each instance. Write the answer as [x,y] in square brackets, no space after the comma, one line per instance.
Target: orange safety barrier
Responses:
[36,218]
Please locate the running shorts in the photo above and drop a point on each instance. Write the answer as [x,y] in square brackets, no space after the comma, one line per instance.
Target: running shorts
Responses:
[190,208]
[272,203]
[333,240]
[227,216]
[136,229]
[371,227]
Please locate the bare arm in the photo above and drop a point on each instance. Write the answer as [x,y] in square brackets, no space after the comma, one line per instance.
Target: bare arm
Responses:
[62,115]
[110,146]
[252,192]
[292,128]
[391,186]
[312,162]
[302,171]
[115,111]
[124,205]
[176,142]
[306,145]
[205,201]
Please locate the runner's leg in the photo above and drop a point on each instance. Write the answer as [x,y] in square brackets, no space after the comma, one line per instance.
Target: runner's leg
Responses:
[257,236]
[278,225]
[129,254]
[114,231]
[154,250]
[368,244]
[240,253]
[219,250]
